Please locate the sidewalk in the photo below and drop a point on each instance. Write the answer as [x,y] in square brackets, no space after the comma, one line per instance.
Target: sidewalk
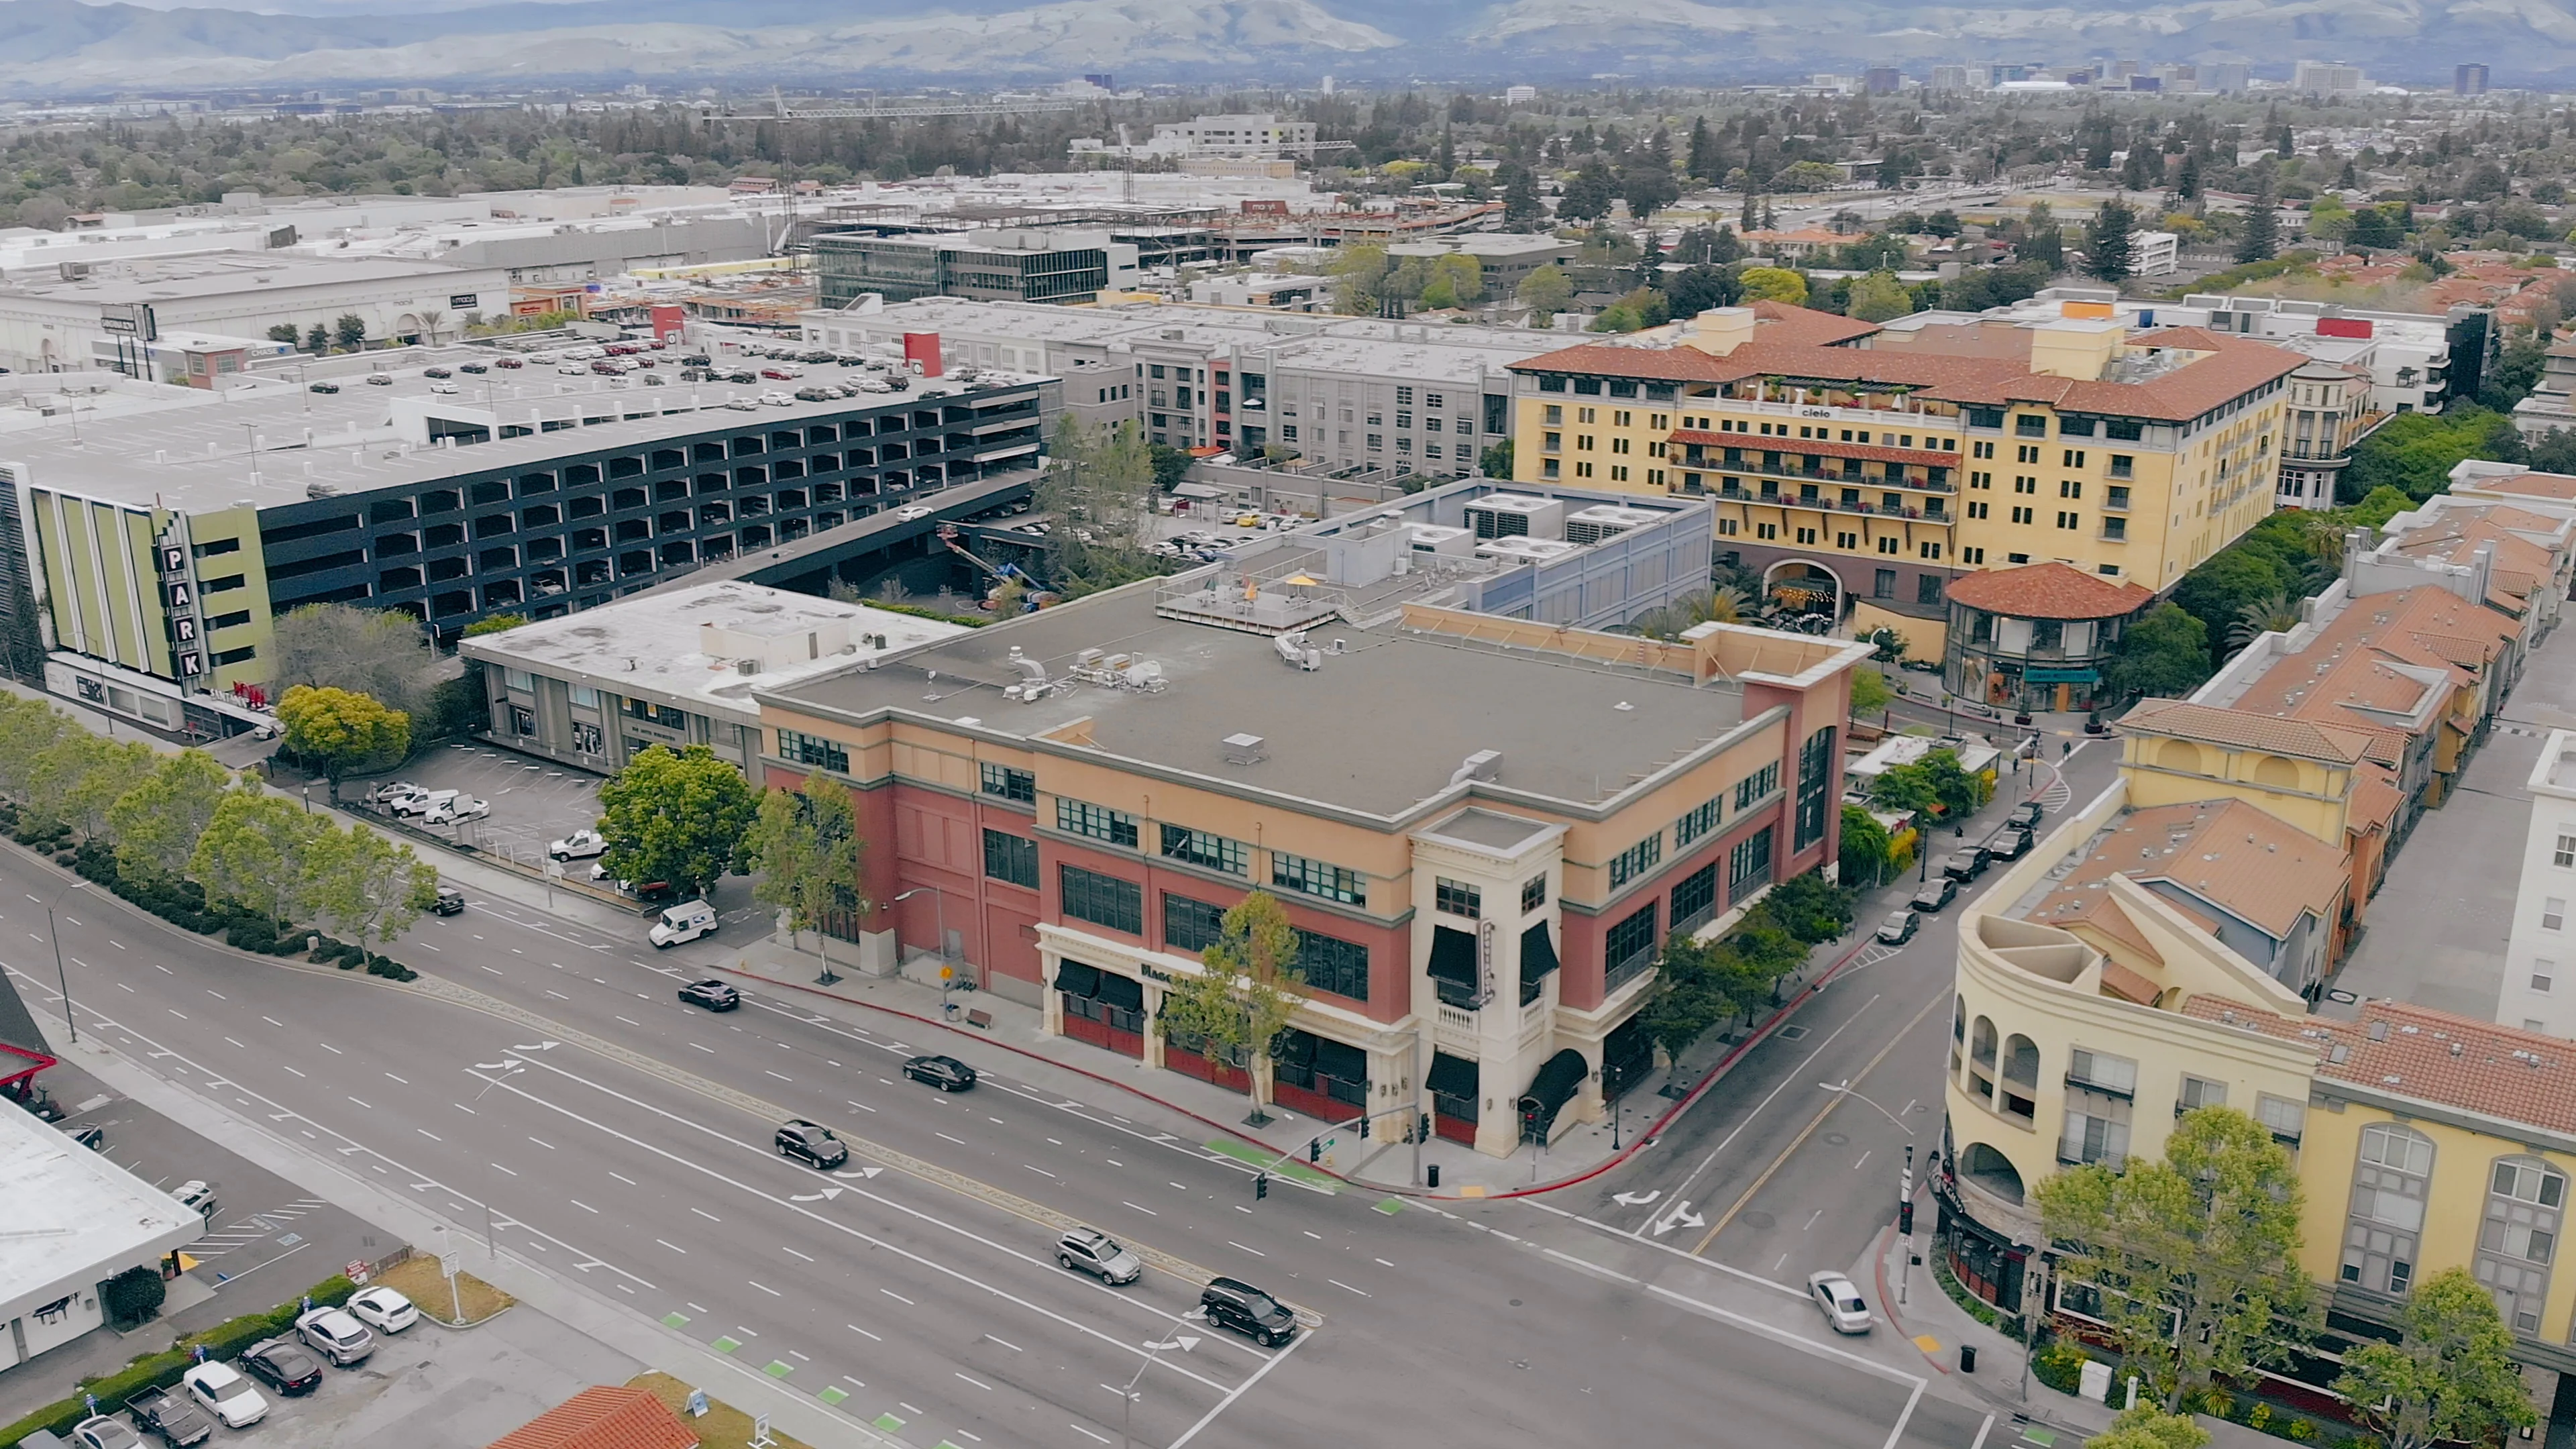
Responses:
[1940,1328]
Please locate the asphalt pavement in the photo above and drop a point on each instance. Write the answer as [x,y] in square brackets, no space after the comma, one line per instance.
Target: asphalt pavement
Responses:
[545,1079]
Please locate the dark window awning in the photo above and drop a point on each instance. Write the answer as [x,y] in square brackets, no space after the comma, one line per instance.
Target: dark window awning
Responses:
[1453,1076]
[1453,957]
[1538,954]
[1553,1087]
[1121,991]
[1340,1060]
[1073,978]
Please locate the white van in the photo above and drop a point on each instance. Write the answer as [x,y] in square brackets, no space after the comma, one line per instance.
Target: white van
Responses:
[686,921]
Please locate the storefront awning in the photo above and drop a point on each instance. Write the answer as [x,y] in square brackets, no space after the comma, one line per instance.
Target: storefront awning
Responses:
[1538,954]
[1553,1087]
[1453,957]
[1073,978]
[1121,991]
[1340,1060]
[1452,1076]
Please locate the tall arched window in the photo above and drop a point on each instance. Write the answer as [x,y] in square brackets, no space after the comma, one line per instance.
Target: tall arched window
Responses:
[1981,1059]
[2388,1188]
[2519,1237]
[2021,1078]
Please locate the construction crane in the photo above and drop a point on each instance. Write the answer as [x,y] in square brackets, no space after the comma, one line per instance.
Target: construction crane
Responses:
[780,110]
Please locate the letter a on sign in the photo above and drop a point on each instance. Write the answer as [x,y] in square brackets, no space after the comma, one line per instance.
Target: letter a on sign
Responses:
[182,597]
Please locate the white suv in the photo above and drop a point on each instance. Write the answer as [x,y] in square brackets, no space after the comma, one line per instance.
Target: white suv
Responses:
[335,1334]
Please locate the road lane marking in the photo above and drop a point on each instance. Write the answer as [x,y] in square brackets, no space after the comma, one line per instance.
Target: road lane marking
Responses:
[791,1252]
[979,1383]
[1345,1287]
[765,1288]
[1149,1212]
[906,1302]
[1639,1231]
[577,1202]
[863,1333]
[1239,1390]
[676,1248]
[1256,1252]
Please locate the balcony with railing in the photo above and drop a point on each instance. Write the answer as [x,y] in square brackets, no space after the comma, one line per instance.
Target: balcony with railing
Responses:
[1457,1029]
[1695,455]
[1822,504]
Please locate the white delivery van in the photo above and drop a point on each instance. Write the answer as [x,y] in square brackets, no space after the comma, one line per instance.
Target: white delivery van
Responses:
[686,921]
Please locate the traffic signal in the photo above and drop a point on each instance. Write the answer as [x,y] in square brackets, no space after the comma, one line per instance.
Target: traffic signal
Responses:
[1905,1217]
[1314,1149]
[1260,1186]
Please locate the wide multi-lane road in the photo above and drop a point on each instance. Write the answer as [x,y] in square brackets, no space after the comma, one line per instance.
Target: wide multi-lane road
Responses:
[546,1080]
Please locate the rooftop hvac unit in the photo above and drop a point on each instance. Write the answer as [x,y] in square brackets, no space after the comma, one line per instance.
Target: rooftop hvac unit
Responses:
[1440,539]
[1515,515]
[1604,520]
[1526,550]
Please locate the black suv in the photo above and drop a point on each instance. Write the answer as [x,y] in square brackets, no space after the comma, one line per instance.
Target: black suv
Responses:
[713,995]
[812,1143]
[2009,843]
[1935,893]
[2025,816]
[1966,863]
[946,1073]
[1234,1304]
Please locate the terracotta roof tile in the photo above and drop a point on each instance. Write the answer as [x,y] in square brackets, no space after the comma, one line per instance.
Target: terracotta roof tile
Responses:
[2227,853]
[2049,591]
[2299,739]
[2530,485]
[2429,1056]
[1778,321]
[603,1417]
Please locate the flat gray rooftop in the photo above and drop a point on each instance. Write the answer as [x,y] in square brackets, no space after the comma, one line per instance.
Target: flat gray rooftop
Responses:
[197,453]
[73,1212]
[1377,729]
[217,274]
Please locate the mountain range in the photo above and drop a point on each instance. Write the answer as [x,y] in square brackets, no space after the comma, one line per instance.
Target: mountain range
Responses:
[66,47]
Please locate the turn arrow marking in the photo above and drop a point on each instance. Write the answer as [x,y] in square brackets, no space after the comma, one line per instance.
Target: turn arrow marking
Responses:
[1680,1217]
[825,1195]
[863,1172]
[1638,1199]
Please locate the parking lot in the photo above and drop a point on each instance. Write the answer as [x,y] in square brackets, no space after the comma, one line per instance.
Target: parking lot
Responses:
[533,801]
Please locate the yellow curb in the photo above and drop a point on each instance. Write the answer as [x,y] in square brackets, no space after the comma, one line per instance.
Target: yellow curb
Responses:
[1927,1343]
[1471,1190]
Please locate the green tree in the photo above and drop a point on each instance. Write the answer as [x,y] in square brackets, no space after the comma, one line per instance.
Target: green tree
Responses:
[1496,460]
[2415,452]
[1171,465]
[2380,505]
[339,730]
[1869,692]
[678,817]
[1545,291]
[1904,790]
[2194,1258]
[2107,247]
[1960,793]
[1811,908]
[2148,1427]
[376,652]
[1878,297]
[1456,281]
[81,776]
[2276,614]
[1588,194]
[2043,241]
[1522,211]
[368,887]
[350,331]
[2261,235]
[284,332]
[28,727]
[2217,592]
[255,852]
[1246,993]
[1868,854]
[494,624]
[156,822]
[1807,176]
[317,339]
[2451,1379]
[1359,279]
[2165,652]
[1773,284]
[805,847]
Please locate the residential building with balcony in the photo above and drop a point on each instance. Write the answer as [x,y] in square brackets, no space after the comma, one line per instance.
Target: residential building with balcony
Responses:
[1872,476]
[2327,412]
[1481,874]
[2144,962]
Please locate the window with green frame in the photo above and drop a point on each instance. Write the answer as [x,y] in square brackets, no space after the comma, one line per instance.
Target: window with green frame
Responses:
[1315,878]
[1103,900]
[805,749]
[1012,858]
[1636,860]
[1190,926]
[1006,783]
[1076,817]
[1695,823]
[1215,852]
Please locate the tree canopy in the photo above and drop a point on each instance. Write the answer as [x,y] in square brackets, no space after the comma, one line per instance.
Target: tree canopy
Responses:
[340,730]
[1246,992]
[677,817]
[805,846]
[2451,1379]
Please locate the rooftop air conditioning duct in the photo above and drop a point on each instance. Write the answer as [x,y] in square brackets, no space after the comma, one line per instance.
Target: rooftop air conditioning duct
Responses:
[1482,765]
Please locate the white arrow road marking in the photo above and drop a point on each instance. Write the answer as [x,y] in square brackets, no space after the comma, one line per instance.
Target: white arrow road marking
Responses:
[539,1047]
[1639,1199]
[1680,1217]
[862,1172]
[826,1195]
[1184,1342]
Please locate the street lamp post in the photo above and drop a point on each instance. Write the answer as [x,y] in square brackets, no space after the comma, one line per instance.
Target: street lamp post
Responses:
[508,1069]
[1127,1396]
[60,977]
[1904,1190]
[939,910]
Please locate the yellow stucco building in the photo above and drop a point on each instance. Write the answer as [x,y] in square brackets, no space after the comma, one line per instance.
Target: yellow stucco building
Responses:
[1867,475]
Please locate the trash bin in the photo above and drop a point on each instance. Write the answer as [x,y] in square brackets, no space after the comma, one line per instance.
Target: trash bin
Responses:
[1967,1358]
[1432,1174]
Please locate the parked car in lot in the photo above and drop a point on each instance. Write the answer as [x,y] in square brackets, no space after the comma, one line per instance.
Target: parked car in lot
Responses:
[1234,1304]
[912,511]
[226,1394]
[473,367]
[199,1195]
[508,362]
[449,901]
[383,1309]
[461,808]
[2025,816]
[811,1143]
[438,372]
[336,1334]
[101,1432]
[1899,927]
[1088,1250]
[946,1073]
[1935,893]
[378,379]
[391,790]
[326,387]
[170,1418]
[580,845]
[283,1365]
[712,994]
[421,802]
[1839,1301]
[686,921]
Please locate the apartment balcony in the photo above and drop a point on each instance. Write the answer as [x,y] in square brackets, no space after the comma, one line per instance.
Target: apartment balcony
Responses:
[1455,1029]
[1694,456]
[1836,505]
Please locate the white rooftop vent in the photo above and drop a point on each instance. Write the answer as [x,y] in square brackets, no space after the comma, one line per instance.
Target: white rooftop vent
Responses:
[1293,651]
[1482,765]
[1605,520]
[1526,550]
[1515,515]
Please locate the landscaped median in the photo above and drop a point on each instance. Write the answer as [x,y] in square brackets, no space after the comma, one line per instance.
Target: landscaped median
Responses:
[160,1370]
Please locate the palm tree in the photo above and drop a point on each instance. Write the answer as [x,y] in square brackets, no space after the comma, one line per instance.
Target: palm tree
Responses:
[1723,605]
[2275,615]
[2323,534]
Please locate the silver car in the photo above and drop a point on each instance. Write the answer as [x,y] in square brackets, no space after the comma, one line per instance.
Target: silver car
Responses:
[1086,1250]
[1839,1301]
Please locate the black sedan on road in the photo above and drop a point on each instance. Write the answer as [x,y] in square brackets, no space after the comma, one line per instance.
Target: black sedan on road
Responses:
[711,994]
[283,1365]
[946,1073]
[1898,928]
[2025,816]
[812,1143]
[1935,893]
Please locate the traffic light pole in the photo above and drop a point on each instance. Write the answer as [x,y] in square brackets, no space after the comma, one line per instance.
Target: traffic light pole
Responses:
[1314,1153]
[1905,1228]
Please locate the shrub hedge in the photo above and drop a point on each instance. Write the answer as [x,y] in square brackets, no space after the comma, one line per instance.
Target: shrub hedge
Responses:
[183,902]
[159,1370]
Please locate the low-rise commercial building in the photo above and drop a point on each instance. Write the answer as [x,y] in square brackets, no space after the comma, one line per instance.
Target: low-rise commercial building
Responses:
[1006,265]
[673,667]
[1068,801]
[2036,637]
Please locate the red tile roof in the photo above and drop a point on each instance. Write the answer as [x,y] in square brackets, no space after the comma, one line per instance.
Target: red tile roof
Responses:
[2429,1056]
[2049,591]
[1780,322]
[603,1417]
